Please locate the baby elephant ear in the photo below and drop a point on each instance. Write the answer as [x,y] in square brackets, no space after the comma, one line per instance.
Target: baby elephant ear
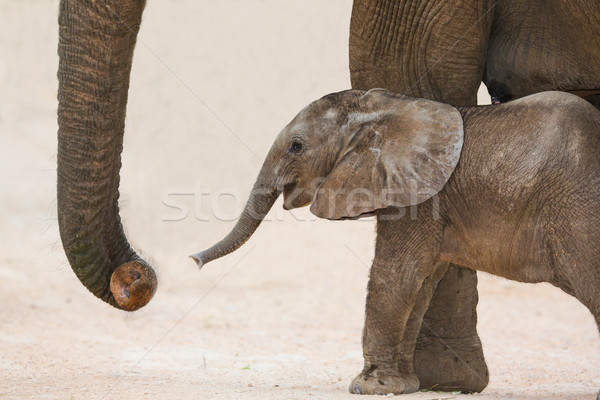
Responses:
[400,152]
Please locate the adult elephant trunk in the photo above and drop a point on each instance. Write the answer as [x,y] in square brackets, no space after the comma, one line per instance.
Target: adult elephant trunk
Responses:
[263,196]
[96,45]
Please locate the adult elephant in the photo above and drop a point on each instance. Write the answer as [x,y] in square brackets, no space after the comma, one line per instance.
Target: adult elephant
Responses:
[437,49]
[442,50]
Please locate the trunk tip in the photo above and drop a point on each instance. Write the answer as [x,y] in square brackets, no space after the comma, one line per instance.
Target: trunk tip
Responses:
[133,285]
[198,259]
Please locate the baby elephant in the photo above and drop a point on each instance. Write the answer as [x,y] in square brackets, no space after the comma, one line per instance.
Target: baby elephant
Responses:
[513,190]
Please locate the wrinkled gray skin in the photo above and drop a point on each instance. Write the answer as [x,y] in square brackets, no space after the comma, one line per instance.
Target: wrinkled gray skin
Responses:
[441,50]
[511,190]
[435,49]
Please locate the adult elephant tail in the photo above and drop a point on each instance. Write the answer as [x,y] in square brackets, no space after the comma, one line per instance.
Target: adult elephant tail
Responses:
[96,43]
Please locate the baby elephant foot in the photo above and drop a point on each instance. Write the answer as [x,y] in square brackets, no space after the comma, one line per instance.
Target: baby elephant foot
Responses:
[375,381]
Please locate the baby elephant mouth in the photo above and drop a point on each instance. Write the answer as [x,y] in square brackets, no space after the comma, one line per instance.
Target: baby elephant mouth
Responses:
[289,188]
[295,197]
[289,194]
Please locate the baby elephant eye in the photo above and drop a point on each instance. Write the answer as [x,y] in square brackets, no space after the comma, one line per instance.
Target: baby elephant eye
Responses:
[296,147]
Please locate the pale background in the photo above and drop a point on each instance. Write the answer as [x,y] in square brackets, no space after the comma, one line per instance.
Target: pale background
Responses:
[213,82]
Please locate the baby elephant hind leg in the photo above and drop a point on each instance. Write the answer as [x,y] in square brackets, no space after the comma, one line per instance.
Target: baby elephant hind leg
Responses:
[574,250]
[585,286]
[576,263]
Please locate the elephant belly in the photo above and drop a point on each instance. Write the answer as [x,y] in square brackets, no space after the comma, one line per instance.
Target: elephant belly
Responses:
[502,250]
[542,45]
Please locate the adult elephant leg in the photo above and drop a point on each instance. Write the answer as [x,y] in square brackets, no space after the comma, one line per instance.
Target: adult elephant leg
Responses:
[435,50]
[431,49]
[96,45]
[448,354]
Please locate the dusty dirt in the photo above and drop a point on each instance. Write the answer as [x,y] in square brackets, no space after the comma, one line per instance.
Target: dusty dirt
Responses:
[213,82]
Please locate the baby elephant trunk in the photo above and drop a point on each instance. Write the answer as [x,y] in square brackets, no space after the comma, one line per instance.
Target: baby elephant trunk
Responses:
[260,202]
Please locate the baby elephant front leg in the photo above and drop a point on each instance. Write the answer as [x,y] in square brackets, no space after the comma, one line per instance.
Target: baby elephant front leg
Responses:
[393,318]
[399,292]
[385,320]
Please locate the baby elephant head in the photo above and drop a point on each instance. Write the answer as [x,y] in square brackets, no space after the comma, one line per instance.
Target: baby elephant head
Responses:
[350,154]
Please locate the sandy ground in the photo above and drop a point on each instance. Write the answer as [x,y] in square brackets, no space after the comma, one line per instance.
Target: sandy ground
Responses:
[213,82]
